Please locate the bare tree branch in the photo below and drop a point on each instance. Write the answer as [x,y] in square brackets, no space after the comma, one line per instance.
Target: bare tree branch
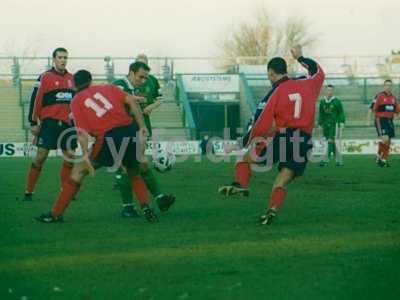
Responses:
[260,39]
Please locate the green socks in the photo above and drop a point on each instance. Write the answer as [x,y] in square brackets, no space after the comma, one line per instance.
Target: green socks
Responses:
[331,149]
[124,185]
[151,182]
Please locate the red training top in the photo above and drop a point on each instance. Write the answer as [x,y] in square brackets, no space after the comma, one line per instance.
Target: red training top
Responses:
[53,97]
[385,105]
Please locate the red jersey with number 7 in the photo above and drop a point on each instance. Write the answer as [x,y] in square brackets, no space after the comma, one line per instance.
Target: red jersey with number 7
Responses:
[100,108]
[290,104]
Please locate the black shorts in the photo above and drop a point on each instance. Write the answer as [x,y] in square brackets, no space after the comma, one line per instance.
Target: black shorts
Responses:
[290,149]
[56,134]
[385,126]
[101,153]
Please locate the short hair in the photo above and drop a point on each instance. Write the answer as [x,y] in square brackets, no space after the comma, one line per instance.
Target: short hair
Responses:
[330,86]
[142,57]
[82,79]
[137,65]
[278,65]
[388,81]
[59,49]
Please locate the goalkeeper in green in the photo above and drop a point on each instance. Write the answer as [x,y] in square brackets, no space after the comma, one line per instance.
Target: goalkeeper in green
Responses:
[331,120]
[140,83]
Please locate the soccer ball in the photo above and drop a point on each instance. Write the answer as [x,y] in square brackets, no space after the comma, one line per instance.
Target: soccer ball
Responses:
[163,160]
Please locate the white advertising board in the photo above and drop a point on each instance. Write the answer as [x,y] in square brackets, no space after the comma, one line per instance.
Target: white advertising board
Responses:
[211,83]
[358,147]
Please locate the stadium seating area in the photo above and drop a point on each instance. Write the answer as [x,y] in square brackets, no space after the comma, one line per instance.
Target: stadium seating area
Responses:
[11,128]
[169,120]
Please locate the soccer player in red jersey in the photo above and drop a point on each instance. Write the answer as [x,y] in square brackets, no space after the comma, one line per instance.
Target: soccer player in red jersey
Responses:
[281,131]
[99,111]
[384,106]
[50,121]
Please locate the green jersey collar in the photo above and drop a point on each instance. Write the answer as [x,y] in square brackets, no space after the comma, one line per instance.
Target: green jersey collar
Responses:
[128,83]
[330,99]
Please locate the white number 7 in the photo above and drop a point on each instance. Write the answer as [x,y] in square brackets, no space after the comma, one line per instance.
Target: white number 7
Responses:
[296,98]
[100,111]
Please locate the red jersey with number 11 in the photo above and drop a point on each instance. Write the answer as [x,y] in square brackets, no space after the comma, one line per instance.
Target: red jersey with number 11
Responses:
[100,108]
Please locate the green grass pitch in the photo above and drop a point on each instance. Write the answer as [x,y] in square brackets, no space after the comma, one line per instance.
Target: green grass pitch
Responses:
[337,237]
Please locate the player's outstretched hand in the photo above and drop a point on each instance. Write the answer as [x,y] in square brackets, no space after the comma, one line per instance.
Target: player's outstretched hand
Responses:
[297,52]
[147,110]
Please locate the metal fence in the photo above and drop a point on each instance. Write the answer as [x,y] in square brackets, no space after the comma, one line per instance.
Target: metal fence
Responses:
[17,75]
[348,66]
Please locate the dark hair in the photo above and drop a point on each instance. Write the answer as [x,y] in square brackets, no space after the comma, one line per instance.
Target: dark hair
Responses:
[137,65]
[82,79]
[388,80]
[59,49]
[278,65]
[330,86]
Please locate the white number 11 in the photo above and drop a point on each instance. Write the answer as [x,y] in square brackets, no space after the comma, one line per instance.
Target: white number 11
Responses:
[296,98]
[100,111]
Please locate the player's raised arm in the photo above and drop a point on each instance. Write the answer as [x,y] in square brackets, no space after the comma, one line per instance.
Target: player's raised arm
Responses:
[316,73]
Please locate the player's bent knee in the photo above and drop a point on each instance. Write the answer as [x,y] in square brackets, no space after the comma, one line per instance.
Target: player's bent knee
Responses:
[248,158]
[39,161]
[41,157]
[284,177]
[78,172]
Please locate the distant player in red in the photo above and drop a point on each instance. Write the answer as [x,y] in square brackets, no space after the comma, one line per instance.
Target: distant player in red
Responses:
[99,111]
[384,107]
[49,115]
[281,131]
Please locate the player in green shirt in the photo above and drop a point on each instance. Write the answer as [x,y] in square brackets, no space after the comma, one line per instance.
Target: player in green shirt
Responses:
[151,91]
[331,119]
[140,83]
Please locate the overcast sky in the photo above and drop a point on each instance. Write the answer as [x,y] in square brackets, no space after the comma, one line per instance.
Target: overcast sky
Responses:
[187,27]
